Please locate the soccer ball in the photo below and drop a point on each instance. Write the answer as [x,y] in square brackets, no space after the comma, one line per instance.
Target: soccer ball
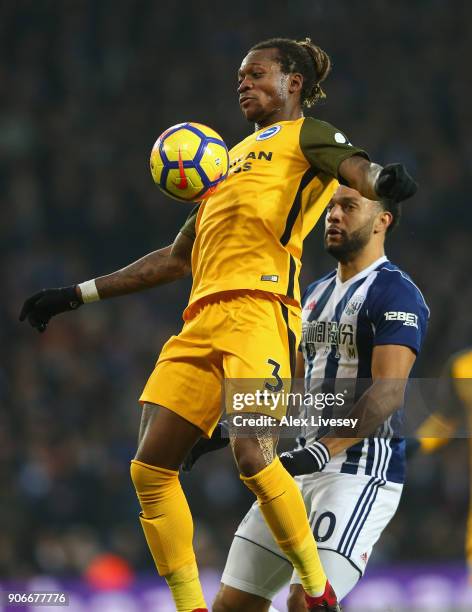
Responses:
[189,161]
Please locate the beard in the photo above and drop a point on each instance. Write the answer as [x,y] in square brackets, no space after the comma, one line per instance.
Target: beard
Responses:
[351,244]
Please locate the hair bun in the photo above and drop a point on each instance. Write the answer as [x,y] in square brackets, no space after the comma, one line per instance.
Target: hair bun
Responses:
[322,63]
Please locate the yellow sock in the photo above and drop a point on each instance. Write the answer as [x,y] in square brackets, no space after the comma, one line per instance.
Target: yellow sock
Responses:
[282,506]
[185,588]
[168,528]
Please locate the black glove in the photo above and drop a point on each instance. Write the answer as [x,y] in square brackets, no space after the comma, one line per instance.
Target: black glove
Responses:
[41,306]
[219,439]
[307,460]
[395,184]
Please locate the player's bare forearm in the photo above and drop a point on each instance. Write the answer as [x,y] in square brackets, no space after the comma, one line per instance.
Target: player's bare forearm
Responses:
[361,174]
[162,266]
[371,410]
[391,366]
[157,268]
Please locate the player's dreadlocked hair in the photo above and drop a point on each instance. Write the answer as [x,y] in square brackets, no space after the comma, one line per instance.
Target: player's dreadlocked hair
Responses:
[304,57]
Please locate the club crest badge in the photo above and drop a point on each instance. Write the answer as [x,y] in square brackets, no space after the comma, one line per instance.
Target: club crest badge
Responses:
[354,305]
[269,132]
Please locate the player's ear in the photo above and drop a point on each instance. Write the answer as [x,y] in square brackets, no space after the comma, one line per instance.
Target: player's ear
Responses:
[295,83]
[383,221]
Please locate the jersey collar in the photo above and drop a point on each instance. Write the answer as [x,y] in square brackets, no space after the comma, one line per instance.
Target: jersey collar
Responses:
[362,273]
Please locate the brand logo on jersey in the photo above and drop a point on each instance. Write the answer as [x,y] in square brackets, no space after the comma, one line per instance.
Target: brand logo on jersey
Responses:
[311,305]
[273,278]
[269,132]
[364,557]
[338,137]
[354,305]
[407,318]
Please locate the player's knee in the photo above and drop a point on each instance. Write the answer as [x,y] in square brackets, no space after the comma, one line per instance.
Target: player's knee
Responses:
[250,457]
[141,476]
[152,484]
[296,599]
[250,465]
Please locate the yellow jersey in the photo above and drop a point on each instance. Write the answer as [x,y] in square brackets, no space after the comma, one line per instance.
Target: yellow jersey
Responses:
[249,234]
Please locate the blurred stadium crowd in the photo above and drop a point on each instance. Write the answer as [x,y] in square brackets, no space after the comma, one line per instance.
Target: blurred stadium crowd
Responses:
[86,87]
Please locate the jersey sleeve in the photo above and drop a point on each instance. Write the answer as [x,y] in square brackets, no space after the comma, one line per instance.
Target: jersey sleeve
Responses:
[188,228]
[325,147]
[397,311]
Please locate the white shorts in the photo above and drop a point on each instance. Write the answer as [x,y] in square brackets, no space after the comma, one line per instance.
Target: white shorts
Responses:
[347,514]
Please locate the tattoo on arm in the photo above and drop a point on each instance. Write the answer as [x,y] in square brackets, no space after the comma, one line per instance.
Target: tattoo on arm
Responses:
[157,268]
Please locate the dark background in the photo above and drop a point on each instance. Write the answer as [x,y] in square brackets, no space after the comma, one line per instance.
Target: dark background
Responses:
[85,89]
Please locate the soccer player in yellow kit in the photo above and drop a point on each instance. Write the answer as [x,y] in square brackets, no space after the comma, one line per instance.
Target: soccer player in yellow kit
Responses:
[243,317]
[453,412]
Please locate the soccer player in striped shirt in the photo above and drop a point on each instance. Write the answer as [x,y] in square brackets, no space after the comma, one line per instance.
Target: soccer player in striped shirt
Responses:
[363,322]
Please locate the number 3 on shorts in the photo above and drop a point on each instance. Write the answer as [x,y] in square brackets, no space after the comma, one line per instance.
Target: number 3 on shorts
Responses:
[275,373]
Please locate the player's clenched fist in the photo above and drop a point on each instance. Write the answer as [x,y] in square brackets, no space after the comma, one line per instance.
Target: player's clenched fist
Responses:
[41,306]
[394,183]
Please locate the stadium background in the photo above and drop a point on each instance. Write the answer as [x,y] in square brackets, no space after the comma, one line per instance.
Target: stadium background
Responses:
[86,87]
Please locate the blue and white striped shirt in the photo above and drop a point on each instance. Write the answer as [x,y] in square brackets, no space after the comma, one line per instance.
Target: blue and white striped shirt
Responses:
[342,322]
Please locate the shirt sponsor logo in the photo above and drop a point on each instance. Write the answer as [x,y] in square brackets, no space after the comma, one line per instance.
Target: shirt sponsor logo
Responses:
[273,278]
[329,334]
[242,165]
[269,132]
[407,318]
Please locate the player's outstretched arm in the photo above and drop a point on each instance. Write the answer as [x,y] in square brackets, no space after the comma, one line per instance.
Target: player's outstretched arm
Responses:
[157,268]
[391,366]
[374,182]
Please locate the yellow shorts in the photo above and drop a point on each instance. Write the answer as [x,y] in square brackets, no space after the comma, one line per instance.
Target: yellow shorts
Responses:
[232,335]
